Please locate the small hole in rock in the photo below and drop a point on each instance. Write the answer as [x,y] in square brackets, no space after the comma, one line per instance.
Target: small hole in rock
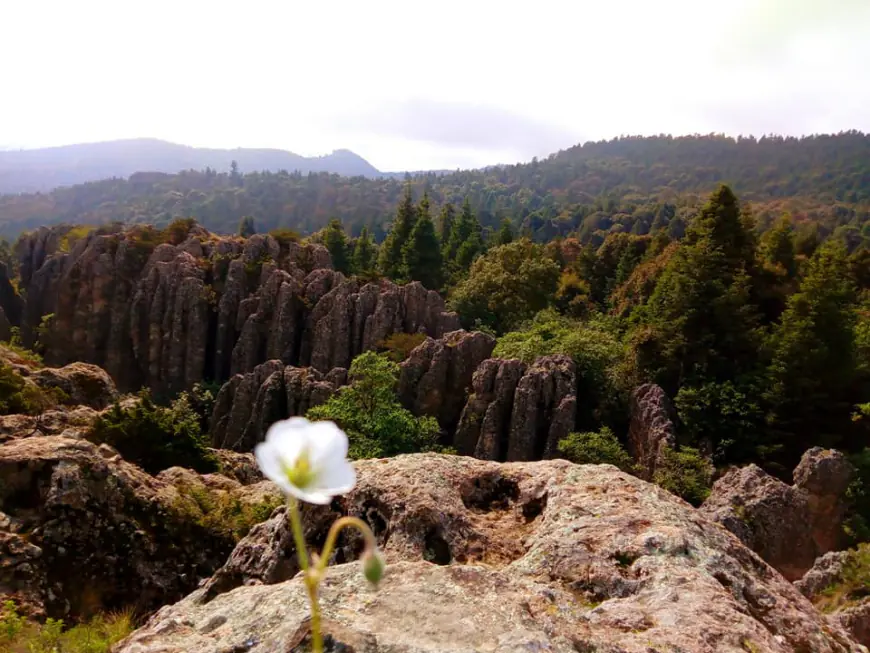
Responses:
[436,548]
[534,508]
[489,493]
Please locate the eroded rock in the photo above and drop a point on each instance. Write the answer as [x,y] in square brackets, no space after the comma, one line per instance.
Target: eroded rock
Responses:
[651,428]
[545,556]
[436,377]
[84,384]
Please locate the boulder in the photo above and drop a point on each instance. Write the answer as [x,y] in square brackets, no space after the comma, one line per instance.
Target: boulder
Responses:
[84,384]
[651,428]
[436,377]
[825,475]
[544,556]
[85,531]
[789,526]
[73,422]
[825,585]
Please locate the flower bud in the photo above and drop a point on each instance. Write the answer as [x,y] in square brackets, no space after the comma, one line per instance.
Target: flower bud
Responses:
[374,565]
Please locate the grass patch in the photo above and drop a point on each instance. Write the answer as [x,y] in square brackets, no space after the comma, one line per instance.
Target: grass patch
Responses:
[18,635]
[222,513]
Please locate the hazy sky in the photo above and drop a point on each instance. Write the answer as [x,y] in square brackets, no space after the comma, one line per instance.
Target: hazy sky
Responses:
[412,85]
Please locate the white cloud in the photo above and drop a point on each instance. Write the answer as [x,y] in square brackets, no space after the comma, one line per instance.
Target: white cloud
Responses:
[411,85]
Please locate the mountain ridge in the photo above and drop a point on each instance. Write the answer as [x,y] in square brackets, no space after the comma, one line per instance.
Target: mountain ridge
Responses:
[43,169]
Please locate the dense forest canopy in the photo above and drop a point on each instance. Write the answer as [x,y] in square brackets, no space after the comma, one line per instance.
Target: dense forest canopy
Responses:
[631,184]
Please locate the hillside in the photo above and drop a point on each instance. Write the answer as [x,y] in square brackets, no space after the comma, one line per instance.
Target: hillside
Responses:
[27,171]
[596,188]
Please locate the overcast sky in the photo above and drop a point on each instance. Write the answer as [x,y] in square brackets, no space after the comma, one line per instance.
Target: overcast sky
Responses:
[413,85]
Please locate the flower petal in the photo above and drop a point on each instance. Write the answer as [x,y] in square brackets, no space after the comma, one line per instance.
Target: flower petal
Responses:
[315,496]
[338,477]
[328,443]
[269,459]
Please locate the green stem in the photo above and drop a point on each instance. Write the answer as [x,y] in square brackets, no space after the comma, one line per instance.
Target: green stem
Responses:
[311,579]
[298,536]
[335,529]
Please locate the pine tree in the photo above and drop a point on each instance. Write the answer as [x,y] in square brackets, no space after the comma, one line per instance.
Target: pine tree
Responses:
[465,242]
[813,367]
[777,246]
[422,257]
[505,232]
[392,250]
[364,254]
[247,227]
[336,242]
[445,222]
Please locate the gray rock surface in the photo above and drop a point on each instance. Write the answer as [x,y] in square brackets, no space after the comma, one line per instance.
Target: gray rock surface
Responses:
[544,556]
[651,428]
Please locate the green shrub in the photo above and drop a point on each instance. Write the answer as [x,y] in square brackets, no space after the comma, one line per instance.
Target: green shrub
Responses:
[854,583]
[596,448]
[16,346]
[18,397]
[177,231]
[17,635]
[857,524]
[223,513]
[75,234]
[285,236]
[685,473]
[155,437]
[368,410]
[399,346]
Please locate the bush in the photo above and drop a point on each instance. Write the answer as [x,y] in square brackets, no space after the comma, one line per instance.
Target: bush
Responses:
[155,437]
[854,582]
[223,513]
[17,635]
[596,448]
[370,413]
[685,473]
[399,346]
[857,524]
[285,236]
[18,397]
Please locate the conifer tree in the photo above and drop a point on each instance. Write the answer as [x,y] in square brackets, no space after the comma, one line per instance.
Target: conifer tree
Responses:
[336,242]
[246,227]
[363,261]
[505,233]
[812,372]
[392,250]
[445,222]
[465,242]
[422,257]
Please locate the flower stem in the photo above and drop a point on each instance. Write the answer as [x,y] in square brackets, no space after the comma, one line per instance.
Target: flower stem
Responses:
[335,529]
[311,576]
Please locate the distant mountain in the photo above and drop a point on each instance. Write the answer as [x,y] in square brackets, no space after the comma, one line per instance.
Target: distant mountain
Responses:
[26,171]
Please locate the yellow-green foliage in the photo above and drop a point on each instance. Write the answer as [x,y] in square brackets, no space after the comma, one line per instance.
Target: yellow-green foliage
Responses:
[18,635]
[18,396]
[75,234]
[854,583]
[400,345]
[24,355]
[222,513]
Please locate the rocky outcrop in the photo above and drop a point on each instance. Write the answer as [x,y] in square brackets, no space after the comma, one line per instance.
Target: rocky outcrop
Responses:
[11,305]
[544,556]
[167,311]
[826,586]
[249,403]
[825,475]
[84,384]
[73,422]
[651,428]
[241,467]
[541,400]
[436,377]
[788,526]
[85,531]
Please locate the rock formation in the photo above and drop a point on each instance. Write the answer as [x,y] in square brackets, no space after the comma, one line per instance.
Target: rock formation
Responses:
[824,584]
[651,428]
[82,530]
[166,311]
[788,526]
[518,412]
[249,403]
[10,305]
[544,556]
[436,377]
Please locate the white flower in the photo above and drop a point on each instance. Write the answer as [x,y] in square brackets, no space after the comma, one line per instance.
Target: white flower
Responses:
[307,460]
